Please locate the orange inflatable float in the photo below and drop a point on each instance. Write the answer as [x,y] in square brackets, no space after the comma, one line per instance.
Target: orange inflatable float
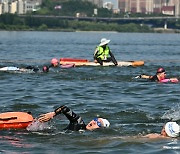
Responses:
[15,120]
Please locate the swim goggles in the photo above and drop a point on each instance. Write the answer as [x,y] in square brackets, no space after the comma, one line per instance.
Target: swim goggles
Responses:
[98,122]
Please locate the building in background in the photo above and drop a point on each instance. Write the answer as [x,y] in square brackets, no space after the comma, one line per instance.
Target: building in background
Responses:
[0,8]
[169,7]
[177,8]
[13,7]
[124,5]
[5,7]
[19,6]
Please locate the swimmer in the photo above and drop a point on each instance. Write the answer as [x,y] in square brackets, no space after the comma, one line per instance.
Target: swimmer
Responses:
[26,69]
[76,122]
[169,130]
[45,69]
[54,62]
[159,77]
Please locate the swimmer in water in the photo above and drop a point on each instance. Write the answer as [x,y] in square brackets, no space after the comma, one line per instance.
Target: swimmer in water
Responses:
[169,130]
[25,69]
[76,122]
[56,63]
[159,77]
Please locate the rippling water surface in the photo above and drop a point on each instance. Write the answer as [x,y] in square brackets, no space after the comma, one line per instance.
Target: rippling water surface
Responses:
[134,107]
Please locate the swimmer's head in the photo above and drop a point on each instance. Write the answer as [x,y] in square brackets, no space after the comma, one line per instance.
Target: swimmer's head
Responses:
[105,122]
[172,129]
[160,70]
[54,62]
[45,68]
[97,123]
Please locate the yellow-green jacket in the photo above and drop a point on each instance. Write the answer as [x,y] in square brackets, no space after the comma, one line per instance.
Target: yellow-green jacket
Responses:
[101,53]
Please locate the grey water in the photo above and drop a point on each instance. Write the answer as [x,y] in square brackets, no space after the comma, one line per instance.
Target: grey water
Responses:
[134,107]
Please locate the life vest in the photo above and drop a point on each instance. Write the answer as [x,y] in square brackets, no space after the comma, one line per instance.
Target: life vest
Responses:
[103,54]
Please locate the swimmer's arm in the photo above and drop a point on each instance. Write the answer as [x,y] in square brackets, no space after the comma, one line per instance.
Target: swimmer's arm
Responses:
[174,80]
[145,76]
[48,116]
[154,136]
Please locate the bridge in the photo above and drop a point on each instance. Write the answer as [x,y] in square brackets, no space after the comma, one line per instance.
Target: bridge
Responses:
[109,19]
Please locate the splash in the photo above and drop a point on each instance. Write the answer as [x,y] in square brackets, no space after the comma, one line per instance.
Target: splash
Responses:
[172,114]
[37,126]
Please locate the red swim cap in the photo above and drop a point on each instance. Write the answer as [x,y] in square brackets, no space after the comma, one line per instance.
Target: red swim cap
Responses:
[54,61]
[160,70]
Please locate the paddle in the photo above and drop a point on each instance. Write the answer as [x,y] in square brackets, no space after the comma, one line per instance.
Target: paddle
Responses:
[6,119]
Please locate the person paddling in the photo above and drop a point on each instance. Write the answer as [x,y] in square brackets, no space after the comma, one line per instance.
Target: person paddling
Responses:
[103,53]
[76,122]
[159,77]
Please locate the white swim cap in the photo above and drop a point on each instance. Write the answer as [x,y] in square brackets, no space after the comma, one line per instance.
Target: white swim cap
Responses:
[106,123]
[172,129]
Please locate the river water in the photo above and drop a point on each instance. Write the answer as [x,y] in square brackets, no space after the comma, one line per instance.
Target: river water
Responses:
[134,107]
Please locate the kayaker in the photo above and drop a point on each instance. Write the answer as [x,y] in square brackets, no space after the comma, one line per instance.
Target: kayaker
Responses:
[76,122]
[159,77]
[103,53]
[169,130]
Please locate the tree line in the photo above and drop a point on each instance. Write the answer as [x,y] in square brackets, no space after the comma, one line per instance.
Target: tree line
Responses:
[14,22]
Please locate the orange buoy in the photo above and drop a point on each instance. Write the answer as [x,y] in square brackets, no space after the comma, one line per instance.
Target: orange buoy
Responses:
[15,120]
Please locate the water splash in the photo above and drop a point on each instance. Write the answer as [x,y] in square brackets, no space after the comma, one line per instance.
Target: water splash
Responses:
[37,126]
[172,114]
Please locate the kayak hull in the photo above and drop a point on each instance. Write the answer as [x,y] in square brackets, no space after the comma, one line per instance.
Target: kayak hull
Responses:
[84,62]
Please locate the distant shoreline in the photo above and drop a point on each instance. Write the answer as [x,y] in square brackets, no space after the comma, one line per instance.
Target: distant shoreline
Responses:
[154,30]
[162,30]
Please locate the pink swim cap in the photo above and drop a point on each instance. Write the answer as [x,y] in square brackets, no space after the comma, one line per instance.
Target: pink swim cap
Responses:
[45,69]
[54,61]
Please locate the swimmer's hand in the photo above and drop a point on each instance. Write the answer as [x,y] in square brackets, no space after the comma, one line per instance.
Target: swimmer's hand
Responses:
[46,117]
[174,80]
[137,77]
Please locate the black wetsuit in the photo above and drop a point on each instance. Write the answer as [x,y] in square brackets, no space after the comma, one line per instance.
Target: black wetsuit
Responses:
[34,69]
[76,122]
[154,78]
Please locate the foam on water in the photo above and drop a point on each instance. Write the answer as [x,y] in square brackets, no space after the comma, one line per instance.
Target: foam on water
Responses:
[173,113]
[37,126]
